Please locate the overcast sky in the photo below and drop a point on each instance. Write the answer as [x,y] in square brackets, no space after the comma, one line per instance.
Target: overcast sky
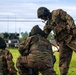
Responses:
[23,13]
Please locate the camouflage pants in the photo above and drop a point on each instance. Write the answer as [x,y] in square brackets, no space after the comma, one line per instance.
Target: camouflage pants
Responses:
[3,65]
[42,61]
[23,69]
[65,54]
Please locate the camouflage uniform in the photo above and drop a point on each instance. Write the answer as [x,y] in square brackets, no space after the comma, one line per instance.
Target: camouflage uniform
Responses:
[6,63]
[36,54]
[23,69]
[62,25]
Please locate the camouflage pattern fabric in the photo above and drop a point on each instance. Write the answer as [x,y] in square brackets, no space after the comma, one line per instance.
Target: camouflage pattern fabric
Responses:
[23,69]
[3,64]
[40,55]
[6,65]
[65,54]
[62,23]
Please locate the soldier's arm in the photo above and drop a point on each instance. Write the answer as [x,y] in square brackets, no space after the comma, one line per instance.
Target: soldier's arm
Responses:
[47,29]
[24,46]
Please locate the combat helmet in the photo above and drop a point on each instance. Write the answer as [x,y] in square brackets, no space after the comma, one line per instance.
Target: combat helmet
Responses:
[36,30]
[42,11]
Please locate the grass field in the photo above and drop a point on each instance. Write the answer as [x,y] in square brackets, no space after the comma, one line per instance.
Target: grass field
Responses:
[72,69]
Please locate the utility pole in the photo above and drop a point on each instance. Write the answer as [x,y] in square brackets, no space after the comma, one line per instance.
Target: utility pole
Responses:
[15,23]
[8,24]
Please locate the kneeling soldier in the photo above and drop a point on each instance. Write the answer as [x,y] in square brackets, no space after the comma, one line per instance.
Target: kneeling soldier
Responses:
[6,63]
[36,53]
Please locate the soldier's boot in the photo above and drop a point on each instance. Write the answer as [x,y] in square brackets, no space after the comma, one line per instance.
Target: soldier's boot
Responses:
[48,72]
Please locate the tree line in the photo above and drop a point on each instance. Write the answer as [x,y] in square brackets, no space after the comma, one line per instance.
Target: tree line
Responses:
[24,35]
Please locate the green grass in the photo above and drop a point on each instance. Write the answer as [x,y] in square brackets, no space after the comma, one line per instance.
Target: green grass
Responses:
[72,69]
[15,54]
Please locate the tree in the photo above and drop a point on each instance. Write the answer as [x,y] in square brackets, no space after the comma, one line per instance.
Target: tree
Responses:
[23,36]
[51,36]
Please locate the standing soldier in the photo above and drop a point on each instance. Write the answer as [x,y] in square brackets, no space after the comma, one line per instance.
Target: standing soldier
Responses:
[36,54]
[64,30]
[6,63]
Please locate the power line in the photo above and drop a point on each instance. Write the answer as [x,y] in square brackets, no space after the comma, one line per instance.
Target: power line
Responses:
[20,20]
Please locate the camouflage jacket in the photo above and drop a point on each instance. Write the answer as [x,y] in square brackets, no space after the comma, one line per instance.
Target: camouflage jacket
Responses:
[8,65]
[35,42]
[61,23]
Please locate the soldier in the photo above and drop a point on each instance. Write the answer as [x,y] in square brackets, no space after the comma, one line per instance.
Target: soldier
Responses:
[64,30]
[36,54]
[6,63]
